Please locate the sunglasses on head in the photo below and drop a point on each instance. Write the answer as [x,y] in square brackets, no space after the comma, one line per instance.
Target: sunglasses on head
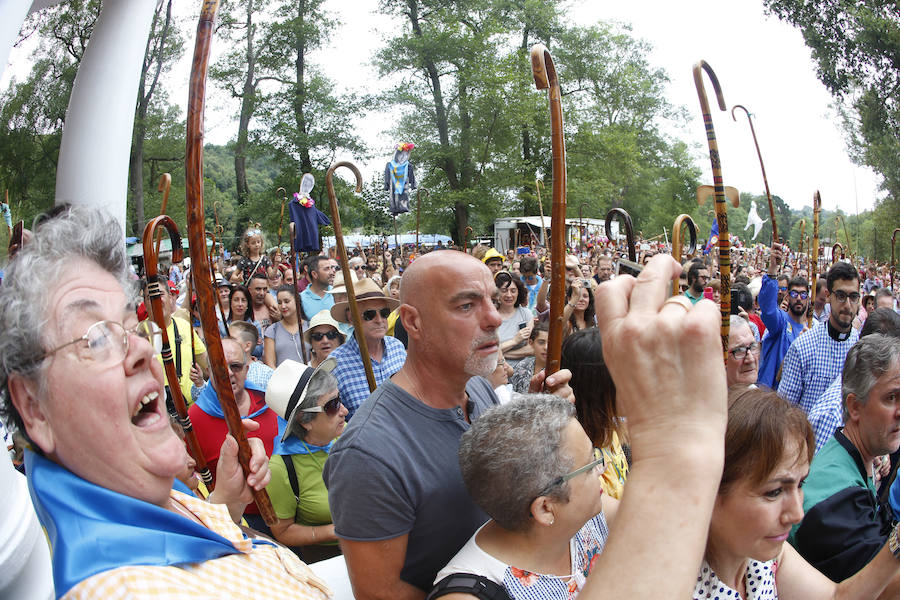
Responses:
[330,408]
[368,315]
[318,335]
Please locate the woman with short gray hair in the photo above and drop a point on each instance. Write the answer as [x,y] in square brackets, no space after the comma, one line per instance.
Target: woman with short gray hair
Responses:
[308,400]
[534,471]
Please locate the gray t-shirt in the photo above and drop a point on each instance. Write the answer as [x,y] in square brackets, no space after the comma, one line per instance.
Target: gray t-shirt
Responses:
[395,471]
[287,344]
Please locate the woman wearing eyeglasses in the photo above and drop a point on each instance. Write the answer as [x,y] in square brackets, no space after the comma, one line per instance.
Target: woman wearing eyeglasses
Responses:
[282,339]
[308,400]
[323,335]
[548,516]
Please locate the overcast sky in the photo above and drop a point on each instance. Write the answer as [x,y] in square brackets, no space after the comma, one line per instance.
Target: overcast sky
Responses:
[761,63]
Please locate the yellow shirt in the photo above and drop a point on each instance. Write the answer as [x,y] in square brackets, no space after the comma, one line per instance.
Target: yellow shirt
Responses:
[613,478]
[184,328]
[263,571]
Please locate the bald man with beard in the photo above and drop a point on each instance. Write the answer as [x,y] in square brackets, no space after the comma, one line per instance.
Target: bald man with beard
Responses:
[397,497]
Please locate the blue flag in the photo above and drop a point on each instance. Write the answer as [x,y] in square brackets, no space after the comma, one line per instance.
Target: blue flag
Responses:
[713,237]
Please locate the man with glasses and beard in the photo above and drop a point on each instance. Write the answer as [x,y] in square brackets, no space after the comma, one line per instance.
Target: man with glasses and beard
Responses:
[816,359]
[782,327]
[400,507]
[386,353]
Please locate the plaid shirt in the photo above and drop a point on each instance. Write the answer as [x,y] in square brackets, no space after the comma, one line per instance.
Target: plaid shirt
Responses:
[264,571]
[811,364]
[828,413]
[351,374]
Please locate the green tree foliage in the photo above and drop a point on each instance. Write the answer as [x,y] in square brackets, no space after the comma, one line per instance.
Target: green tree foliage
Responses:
[856,46]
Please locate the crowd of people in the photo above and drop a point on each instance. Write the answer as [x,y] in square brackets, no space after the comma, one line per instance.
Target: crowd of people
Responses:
[644,467]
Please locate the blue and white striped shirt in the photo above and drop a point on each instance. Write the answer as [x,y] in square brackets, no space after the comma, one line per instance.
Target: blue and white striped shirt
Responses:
[828,413]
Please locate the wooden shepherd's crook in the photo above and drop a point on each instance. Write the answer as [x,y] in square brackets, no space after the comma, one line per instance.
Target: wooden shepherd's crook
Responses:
[893,239]
[538,184]
[345,265]
[721,210]
[284,198]
[544,72]
[418,208]
[155,291]
[682,219]
[165,183]
[800,249]
[840,219]
[761,166]
[814,249]
[206,294]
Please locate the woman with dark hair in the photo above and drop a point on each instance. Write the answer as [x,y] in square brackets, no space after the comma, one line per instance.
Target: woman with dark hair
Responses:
[531,365]
[282,338]
[595,404]
[517,323]
[768,447]
[579,310]
[239,307]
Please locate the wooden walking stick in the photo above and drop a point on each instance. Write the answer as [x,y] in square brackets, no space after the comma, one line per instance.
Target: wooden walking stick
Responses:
[155,291]
[345,265]
[545,78]
[206,295]
[629,266]
[775,237]
[893,240]
[298,305]
[165,183]
[800,249]
[682,219]
[418,208]
[284,198]
[538,184]
[721,210]
[814,249]
[839,219]
[468,234]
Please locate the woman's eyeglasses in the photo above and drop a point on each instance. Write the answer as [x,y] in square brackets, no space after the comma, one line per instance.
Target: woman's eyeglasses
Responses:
[106,342]
[598,463]
[318,335]
[368,315]
[330,408]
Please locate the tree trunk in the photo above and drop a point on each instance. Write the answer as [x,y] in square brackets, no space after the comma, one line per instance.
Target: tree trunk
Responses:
[300,100]
[247,105]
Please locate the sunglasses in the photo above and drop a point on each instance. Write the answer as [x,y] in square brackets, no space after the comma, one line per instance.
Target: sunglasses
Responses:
[330,408]
[368,315]
[782,288]
[318,335]
[236,367]
[795,294]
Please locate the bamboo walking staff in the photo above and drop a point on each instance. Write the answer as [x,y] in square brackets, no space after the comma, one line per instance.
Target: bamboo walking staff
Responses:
[814,249]
[418,208]
[206,295]
[775,237]
[893,240]
[345,265]
[165,184]
[284,198]
[721,210]
[545,78]
[538,184]
[155,292]
[682,220]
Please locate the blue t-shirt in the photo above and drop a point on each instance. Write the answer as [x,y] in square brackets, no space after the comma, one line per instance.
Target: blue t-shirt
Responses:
[312,304]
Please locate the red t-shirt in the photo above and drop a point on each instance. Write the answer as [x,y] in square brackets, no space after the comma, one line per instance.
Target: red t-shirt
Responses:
[211,433]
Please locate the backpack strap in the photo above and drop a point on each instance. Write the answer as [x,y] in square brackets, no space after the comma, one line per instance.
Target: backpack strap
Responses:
[292,476]
[468,583]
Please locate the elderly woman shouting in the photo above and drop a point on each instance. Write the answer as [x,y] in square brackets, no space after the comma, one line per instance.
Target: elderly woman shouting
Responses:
[88,394]
[308,400]
[545,500]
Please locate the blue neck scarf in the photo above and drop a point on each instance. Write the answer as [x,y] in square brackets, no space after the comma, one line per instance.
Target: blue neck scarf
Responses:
[294,445]
[398,171]
[208,401]
[92,529]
